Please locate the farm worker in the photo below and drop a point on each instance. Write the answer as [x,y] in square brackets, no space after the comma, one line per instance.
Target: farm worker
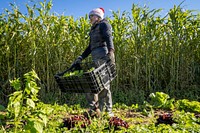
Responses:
[101,49]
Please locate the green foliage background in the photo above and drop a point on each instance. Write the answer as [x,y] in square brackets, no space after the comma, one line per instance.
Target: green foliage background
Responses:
[153,53]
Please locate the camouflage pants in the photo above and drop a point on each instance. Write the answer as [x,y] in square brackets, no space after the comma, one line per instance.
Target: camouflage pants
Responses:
[101,100]
[104,97]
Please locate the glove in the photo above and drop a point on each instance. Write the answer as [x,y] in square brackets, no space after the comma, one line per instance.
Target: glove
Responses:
[111,56]
[78,60]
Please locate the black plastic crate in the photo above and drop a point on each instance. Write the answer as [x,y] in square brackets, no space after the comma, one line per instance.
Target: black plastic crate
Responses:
[90,82]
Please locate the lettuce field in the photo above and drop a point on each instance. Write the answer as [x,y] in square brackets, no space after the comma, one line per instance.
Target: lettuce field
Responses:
[157,88]
[26,113]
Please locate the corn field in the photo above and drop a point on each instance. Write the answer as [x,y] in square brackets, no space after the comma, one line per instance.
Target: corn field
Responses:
[153,53]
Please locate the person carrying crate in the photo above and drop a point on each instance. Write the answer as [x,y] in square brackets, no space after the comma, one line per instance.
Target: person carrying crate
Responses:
[101,49]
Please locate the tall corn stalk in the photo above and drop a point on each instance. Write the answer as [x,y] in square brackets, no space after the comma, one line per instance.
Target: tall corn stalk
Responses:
[153,53]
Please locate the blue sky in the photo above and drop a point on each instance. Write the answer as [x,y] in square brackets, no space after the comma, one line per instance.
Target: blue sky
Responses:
[79,8]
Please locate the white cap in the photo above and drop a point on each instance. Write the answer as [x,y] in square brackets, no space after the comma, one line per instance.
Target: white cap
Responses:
[98,12]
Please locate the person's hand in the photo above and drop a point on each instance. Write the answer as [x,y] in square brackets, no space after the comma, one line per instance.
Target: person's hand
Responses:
[111,56]
[78,60]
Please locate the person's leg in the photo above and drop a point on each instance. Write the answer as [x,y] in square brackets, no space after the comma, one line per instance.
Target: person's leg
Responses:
[105,98]
[93,105]
[101,98]
[108,101]
[92,100]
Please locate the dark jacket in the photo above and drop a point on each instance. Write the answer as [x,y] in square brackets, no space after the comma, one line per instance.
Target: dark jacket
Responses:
[100,36]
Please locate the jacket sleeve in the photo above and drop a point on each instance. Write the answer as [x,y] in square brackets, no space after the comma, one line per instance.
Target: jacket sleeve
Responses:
[86,52]
[106,32]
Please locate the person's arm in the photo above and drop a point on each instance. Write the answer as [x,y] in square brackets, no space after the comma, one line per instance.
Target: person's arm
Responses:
[86,52]
[106,32]
[83,55]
